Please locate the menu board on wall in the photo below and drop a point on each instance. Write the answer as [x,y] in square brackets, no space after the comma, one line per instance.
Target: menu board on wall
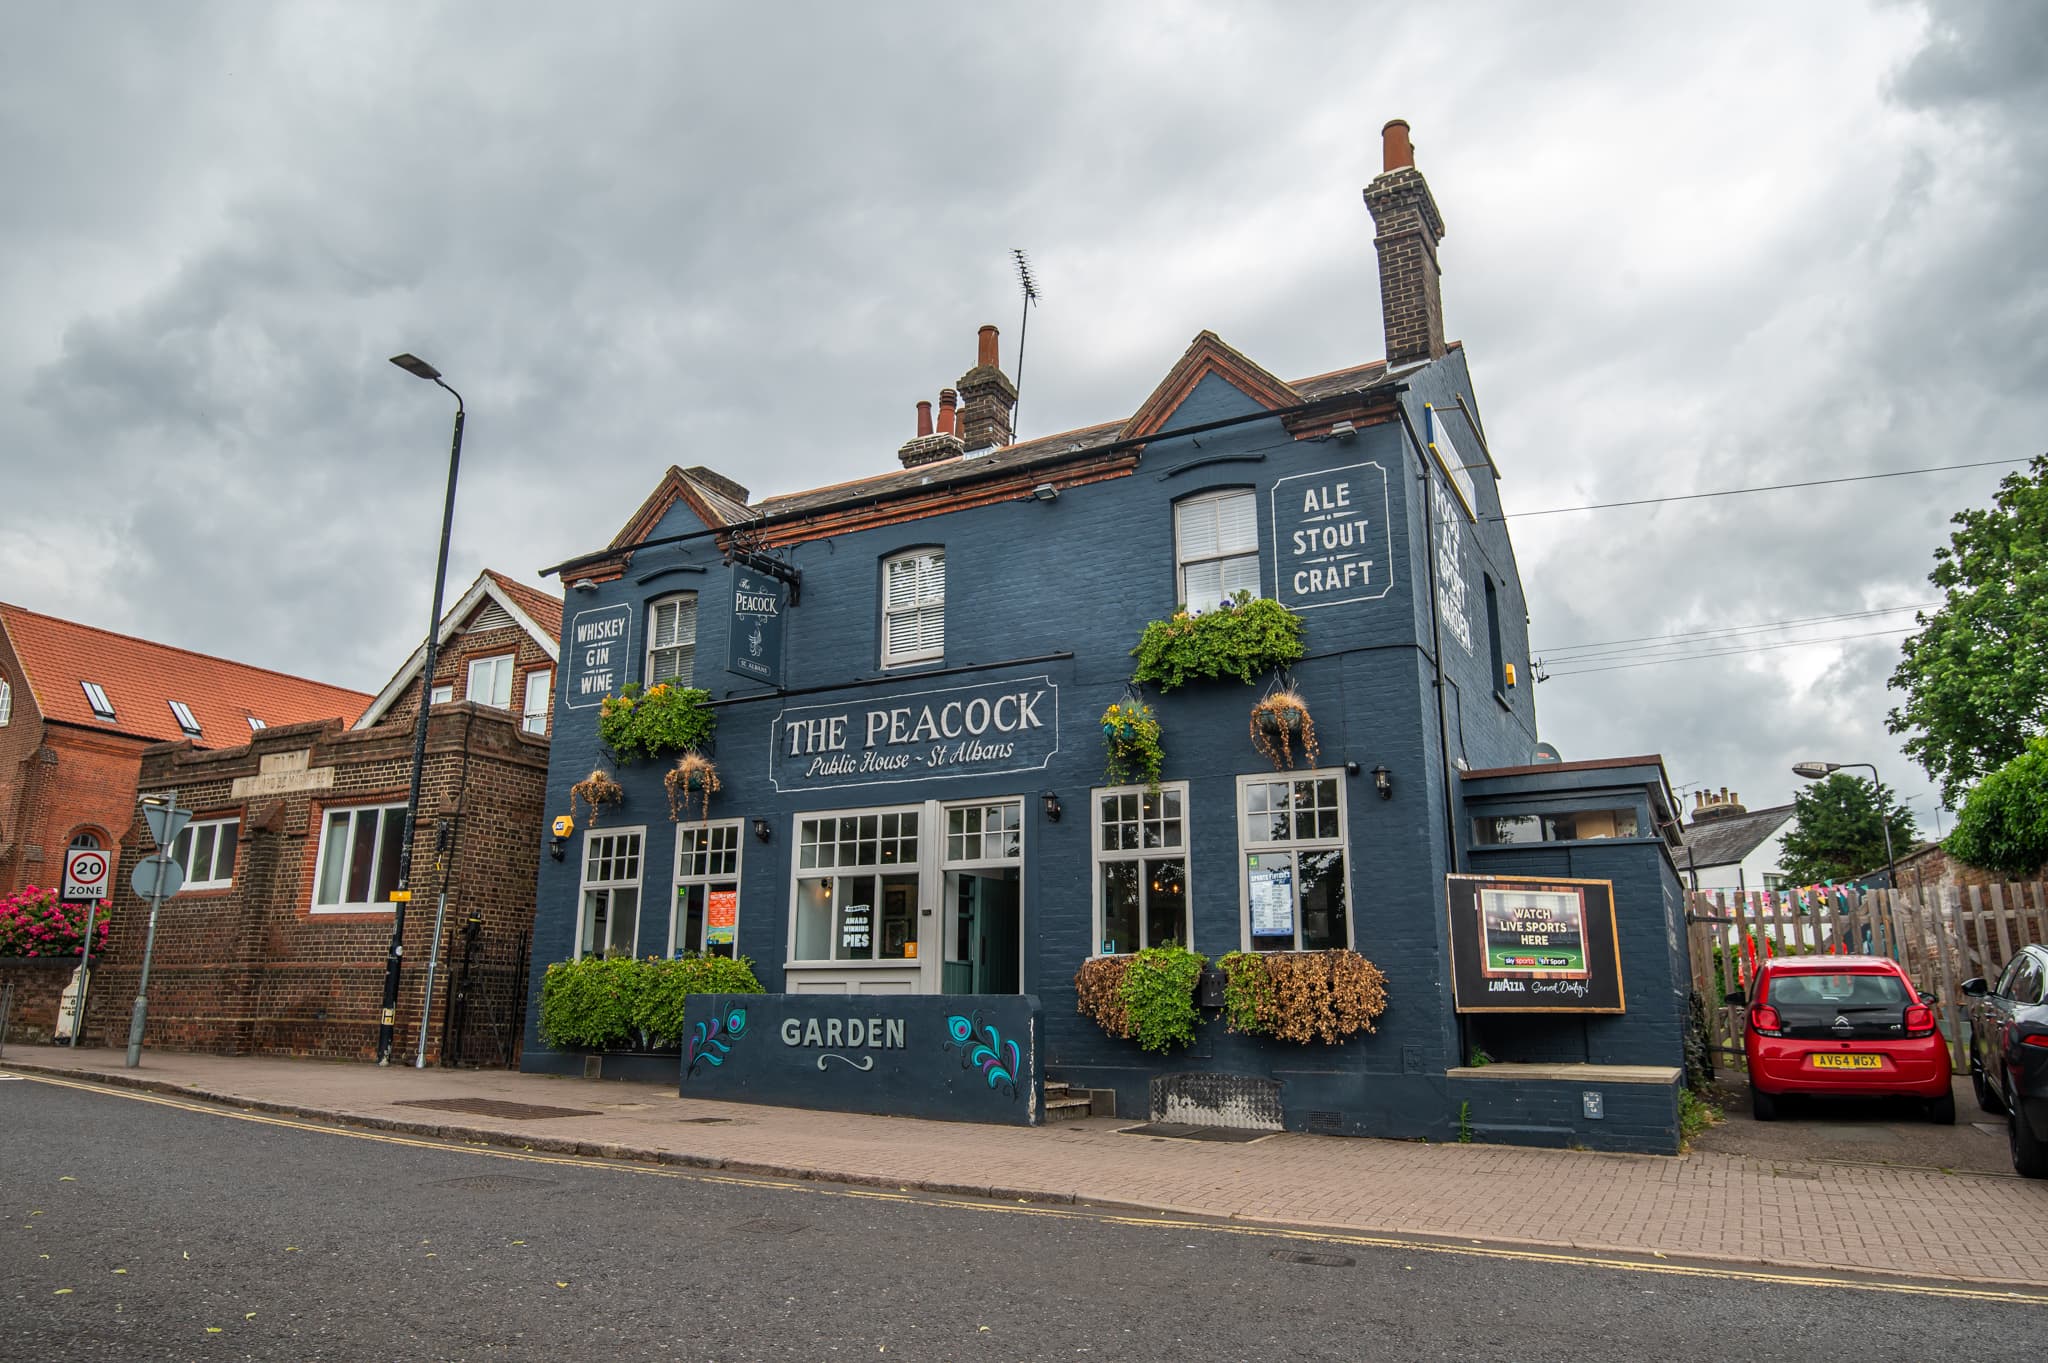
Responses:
[1533,945]
[1272,895]
[721,917]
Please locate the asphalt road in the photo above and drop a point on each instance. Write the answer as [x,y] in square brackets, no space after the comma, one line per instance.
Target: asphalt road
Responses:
[140,1229]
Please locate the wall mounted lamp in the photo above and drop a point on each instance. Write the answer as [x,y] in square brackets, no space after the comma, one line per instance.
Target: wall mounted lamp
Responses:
[763,830]
[1383,782]
[583,584]
[1344,432]
[1052,807]
[1046,492]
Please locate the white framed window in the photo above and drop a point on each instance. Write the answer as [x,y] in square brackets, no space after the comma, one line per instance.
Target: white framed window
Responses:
[914,607]
[672,640]
[6,702]
[205,851]
[1292,876]
[857,886]
[359,855]
[490,681]
[88,840]
[539,691]
[981,902]
[256,725]
[1141,867]
[187,721]
[96,697]
[609,924]
[442,694]
[704,915]
[1216,547]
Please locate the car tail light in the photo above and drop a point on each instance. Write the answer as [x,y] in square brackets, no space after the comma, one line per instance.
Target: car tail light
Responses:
[1919,1020]
[2036,1039]
[1764,1018]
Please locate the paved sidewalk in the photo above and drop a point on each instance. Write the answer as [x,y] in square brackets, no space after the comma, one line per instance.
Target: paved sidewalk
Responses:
[1707,1205]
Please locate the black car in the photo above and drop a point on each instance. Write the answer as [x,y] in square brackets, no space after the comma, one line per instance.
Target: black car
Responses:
[2009,1053]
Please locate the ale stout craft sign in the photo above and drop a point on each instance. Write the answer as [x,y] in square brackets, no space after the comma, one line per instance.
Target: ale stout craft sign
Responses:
[1533,945]
[1330,539]
[979,730]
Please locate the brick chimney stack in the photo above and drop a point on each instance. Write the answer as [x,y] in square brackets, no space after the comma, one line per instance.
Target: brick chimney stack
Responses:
[988,400]
[1404,211]
[929,446]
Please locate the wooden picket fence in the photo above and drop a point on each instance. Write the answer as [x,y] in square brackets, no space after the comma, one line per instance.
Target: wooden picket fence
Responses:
[1940,937]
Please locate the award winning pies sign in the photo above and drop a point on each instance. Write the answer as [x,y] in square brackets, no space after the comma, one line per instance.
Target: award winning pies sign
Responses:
[1533,945]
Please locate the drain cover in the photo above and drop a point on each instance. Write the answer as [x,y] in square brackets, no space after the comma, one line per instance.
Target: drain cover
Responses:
[1182,1131]
[496,1183]
[704,1121]
[762,1225]
[496,1107]
[1298,1256]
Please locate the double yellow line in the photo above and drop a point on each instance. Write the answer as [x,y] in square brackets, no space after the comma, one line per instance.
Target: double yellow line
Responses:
[1845,1282]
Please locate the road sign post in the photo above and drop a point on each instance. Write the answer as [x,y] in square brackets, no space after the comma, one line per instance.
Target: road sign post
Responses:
[86,873]
[156,879]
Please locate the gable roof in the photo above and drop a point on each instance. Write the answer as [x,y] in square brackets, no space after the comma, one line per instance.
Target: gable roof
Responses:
[1726,840]
[539,614]
[1207,354]
[142,678]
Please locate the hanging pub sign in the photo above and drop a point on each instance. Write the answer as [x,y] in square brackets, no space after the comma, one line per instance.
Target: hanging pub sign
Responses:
[1330,538]
[979,730]
[754,644]
[1533,945]
[595,647]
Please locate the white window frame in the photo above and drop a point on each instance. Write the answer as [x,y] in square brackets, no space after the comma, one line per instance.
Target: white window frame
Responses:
[500,669]
[442,694]
[96,697]
[355,812]
[226,832]
[1292,846]
[1098,857]
[688,875]
[682,608]
[6,703]
[540,686]
[913,865]
[188,723]
[636,882]
[921,605]
[256,725]
[1208,503]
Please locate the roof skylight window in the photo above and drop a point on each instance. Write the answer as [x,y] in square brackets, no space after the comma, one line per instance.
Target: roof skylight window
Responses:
[186,719]
[254,724]
[96,697]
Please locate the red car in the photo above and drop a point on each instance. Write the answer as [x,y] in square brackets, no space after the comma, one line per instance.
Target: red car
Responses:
[1850,1026]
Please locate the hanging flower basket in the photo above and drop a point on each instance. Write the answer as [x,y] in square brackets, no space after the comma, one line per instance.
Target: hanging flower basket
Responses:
[1279,723]
[693,773]
[597,791]
[1130,738]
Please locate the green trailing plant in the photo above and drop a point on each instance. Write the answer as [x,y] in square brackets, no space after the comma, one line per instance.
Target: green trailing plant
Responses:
[1464,1123]
[1130,735]
[1148,997]
[602,1003]
[1302,996]
[658,722]
[2004,822]
[1245,637]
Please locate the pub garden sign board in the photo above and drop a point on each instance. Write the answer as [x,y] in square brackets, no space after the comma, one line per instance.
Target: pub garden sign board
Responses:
[979,730]
[1533,945]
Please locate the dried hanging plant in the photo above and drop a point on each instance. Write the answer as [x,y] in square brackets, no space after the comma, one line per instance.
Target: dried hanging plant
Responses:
[1277,721]
[693,771]
[595,790]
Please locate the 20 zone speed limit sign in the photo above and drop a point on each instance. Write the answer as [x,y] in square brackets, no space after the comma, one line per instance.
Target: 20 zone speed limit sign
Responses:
[85,874]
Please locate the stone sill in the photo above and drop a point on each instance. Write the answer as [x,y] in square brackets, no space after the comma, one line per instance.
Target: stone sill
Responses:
[1606,1074]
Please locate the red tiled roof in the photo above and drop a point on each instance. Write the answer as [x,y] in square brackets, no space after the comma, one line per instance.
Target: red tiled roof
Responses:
[141,679]
[545,610]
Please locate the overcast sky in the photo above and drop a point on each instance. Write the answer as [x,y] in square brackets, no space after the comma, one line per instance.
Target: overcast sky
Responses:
[1688,249]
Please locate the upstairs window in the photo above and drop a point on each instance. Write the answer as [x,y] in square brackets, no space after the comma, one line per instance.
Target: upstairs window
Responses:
[914,607]
[187,721]
[6,703]
[490,681]
[205,851]
[96,697]
[442,694]
[1216,548]
[672,640]
[255,724]
[534,719]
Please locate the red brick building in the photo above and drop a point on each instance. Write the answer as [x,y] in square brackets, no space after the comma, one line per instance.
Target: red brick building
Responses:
[281,949]
[79,705]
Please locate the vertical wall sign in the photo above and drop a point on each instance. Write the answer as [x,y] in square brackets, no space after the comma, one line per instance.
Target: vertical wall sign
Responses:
[1331,543]
[1534,945]
[1452,463]
[594,650]
[1453,601]
[753,647]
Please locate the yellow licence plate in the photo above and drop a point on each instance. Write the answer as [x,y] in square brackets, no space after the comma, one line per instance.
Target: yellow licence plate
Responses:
[1843,1060]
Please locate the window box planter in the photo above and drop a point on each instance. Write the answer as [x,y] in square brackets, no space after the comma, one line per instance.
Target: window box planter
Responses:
[1303,996]
[1244,638]
[1148,997]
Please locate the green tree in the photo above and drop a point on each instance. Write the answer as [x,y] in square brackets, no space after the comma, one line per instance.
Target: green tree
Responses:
[1837,833]
[2004,823]
[1976,675]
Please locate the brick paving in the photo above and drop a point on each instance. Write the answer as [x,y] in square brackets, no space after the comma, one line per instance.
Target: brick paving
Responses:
[1704,1205]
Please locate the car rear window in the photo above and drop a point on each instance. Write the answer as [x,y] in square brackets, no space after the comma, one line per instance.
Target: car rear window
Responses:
[1838,991]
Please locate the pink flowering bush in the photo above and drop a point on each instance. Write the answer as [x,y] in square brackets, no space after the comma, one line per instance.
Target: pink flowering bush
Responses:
[34,923]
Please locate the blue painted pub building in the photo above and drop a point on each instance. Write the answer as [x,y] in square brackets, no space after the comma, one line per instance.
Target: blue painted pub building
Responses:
[908,672]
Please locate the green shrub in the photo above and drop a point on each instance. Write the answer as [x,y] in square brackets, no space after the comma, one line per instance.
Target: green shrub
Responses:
[2004,822]
[661,721]
[1158,994]
[1245,638]
[601,1003]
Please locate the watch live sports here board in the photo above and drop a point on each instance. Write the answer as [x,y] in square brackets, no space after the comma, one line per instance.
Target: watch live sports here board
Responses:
[1525,945]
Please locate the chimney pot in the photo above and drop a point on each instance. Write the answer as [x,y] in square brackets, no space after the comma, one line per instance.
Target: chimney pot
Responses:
[985,349]
[1397,151]
[947,401]
[924,417]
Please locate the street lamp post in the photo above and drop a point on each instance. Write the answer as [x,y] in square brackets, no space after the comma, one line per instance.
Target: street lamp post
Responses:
[1814,771]
[418,368]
